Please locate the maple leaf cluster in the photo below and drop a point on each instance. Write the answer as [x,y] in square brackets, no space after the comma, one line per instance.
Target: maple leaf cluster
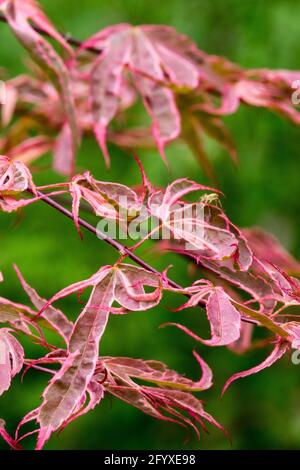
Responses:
[246,278]
[185,91]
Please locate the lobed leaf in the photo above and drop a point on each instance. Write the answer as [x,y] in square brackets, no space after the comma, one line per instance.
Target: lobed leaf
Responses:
[20,14]
[278,351]
[11,358]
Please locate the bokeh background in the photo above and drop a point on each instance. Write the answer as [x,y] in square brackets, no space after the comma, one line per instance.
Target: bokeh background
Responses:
[261,412]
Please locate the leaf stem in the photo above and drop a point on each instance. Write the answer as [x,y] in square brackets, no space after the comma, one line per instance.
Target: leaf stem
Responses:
[69,39]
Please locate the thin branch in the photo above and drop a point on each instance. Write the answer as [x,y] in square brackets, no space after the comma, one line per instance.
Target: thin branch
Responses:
[69,39]
[123,249]
[43,369]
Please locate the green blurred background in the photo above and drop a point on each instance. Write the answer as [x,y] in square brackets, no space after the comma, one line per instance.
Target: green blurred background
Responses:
[261,412]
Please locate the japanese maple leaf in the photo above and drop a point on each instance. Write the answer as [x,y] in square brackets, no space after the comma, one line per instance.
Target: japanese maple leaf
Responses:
[4,434]
[224,317]
[43,128]
[260,87]
[267,88]
[55,317]
[15,179]
[155,372]
[21,318]
[270,89]
[281,347]
[170,396]
[157,59]
[238,269]
[224,310]
[170,400]
[109,200]
[188,222]
[234,251]
[124,284]
[18,316]
[266,247]
[286,288]
[21,16]
[11,358]
[287,338]
[29,137]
